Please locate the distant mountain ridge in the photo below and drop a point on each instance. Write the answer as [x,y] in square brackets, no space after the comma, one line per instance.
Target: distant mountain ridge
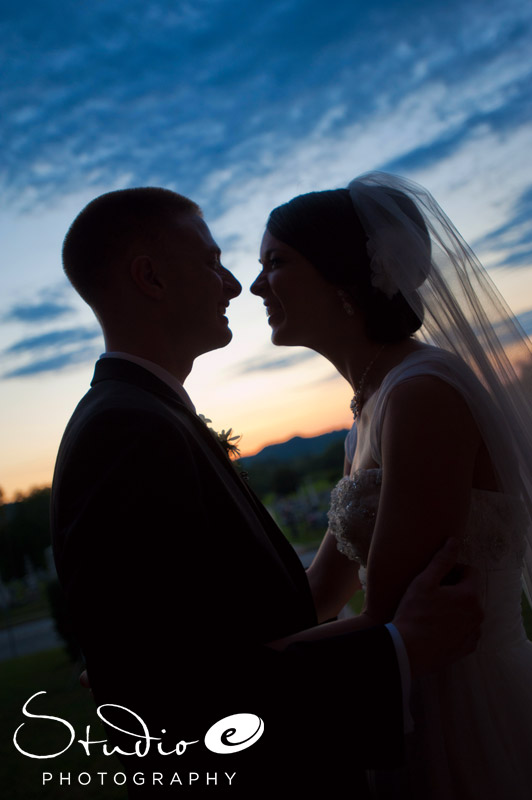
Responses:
[296,447]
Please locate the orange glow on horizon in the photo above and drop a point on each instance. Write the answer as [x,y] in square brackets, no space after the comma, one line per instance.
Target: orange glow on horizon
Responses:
[23,480]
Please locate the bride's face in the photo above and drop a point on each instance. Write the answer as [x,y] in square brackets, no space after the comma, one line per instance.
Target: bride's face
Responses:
[300,304]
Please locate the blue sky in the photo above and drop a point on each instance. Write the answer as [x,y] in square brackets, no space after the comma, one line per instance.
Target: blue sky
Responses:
[150,92]
[242,105]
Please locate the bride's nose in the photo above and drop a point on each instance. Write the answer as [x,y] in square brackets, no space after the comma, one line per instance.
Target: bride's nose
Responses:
[257,287]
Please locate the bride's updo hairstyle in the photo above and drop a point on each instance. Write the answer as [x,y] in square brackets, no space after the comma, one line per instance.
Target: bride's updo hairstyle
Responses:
[325,229]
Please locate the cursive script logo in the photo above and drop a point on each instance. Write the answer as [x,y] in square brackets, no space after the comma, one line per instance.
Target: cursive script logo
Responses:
[229,735]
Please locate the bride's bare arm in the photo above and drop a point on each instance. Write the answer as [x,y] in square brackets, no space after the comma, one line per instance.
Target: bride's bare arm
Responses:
[333,578]
[429,445]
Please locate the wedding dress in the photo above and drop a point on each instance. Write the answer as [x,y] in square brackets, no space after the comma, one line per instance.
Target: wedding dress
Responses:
[472,737]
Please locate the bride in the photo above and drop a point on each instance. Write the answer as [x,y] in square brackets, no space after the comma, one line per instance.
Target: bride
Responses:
[442,444]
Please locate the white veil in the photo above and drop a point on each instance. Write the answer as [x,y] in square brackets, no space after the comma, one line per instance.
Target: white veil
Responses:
[463,312]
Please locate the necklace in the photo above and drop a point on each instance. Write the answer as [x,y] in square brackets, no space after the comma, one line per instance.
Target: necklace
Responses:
[356,402]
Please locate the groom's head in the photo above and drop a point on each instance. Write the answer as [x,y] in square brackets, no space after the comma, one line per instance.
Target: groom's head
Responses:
[146,263]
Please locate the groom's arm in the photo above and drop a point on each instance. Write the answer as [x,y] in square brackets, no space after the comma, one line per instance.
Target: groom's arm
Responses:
[341,696]
[147,551]
[438,618]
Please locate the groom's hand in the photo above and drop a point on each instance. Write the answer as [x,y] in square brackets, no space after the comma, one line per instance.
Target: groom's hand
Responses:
[440,614]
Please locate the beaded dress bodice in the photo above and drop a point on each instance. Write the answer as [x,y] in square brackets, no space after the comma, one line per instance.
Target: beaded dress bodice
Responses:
[494,533]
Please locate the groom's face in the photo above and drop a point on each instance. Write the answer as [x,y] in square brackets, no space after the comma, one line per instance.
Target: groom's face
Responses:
[199,288]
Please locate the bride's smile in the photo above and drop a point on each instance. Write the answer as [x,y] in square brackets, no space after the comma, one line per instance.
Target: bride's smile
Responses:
[300,304]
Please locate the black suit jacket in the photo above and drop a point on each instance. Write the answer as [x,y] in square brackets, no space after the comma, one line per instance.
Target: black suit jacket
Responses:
[176,577]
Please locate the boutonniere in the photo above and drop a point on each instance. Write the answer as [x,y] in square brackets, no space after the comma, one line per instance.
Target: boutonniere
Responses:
[228,442]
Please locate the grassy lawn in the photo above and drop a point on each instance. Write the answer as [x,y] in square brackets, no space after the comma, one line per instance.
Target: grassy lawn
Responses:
[20,776]
[27,612]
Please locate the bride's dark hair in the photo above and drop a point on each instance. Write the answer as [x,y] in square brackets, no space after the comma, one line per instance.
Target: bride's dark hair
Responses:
[325,229]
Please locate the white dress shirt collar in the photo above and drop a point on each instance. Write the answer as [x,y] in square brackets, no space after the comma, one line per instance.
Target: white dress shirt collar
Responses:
[159,372]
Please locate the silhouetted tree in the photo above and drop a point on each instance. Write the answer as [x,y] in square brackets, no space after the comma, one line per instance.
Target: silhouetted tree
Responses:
[24,532]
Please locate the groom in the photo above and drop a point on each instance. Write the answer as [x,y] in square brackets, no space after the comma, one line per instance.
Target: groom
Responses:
[175,574]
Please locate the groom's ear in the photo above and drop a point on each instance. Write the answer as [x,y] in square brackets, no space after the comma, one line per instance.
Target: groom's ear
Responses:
[147,277]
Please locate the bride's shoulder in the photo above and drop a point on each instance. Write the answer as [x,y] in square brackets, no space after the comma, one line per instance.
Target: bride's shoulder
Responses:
[426,401]
[424,392]
[428,388]
[426,417]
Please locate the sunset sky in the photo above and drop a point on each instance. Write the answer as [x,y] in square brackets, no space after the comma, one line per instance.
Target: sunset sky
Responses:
[241,105]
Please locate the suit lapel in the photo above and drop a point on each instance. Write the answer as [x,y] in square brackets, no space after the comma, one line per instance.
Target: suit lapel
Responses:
[121,370]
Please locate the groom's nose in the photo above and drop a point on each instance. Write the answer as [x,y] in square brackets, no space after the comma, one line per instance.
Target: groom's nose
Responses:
[232,287]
